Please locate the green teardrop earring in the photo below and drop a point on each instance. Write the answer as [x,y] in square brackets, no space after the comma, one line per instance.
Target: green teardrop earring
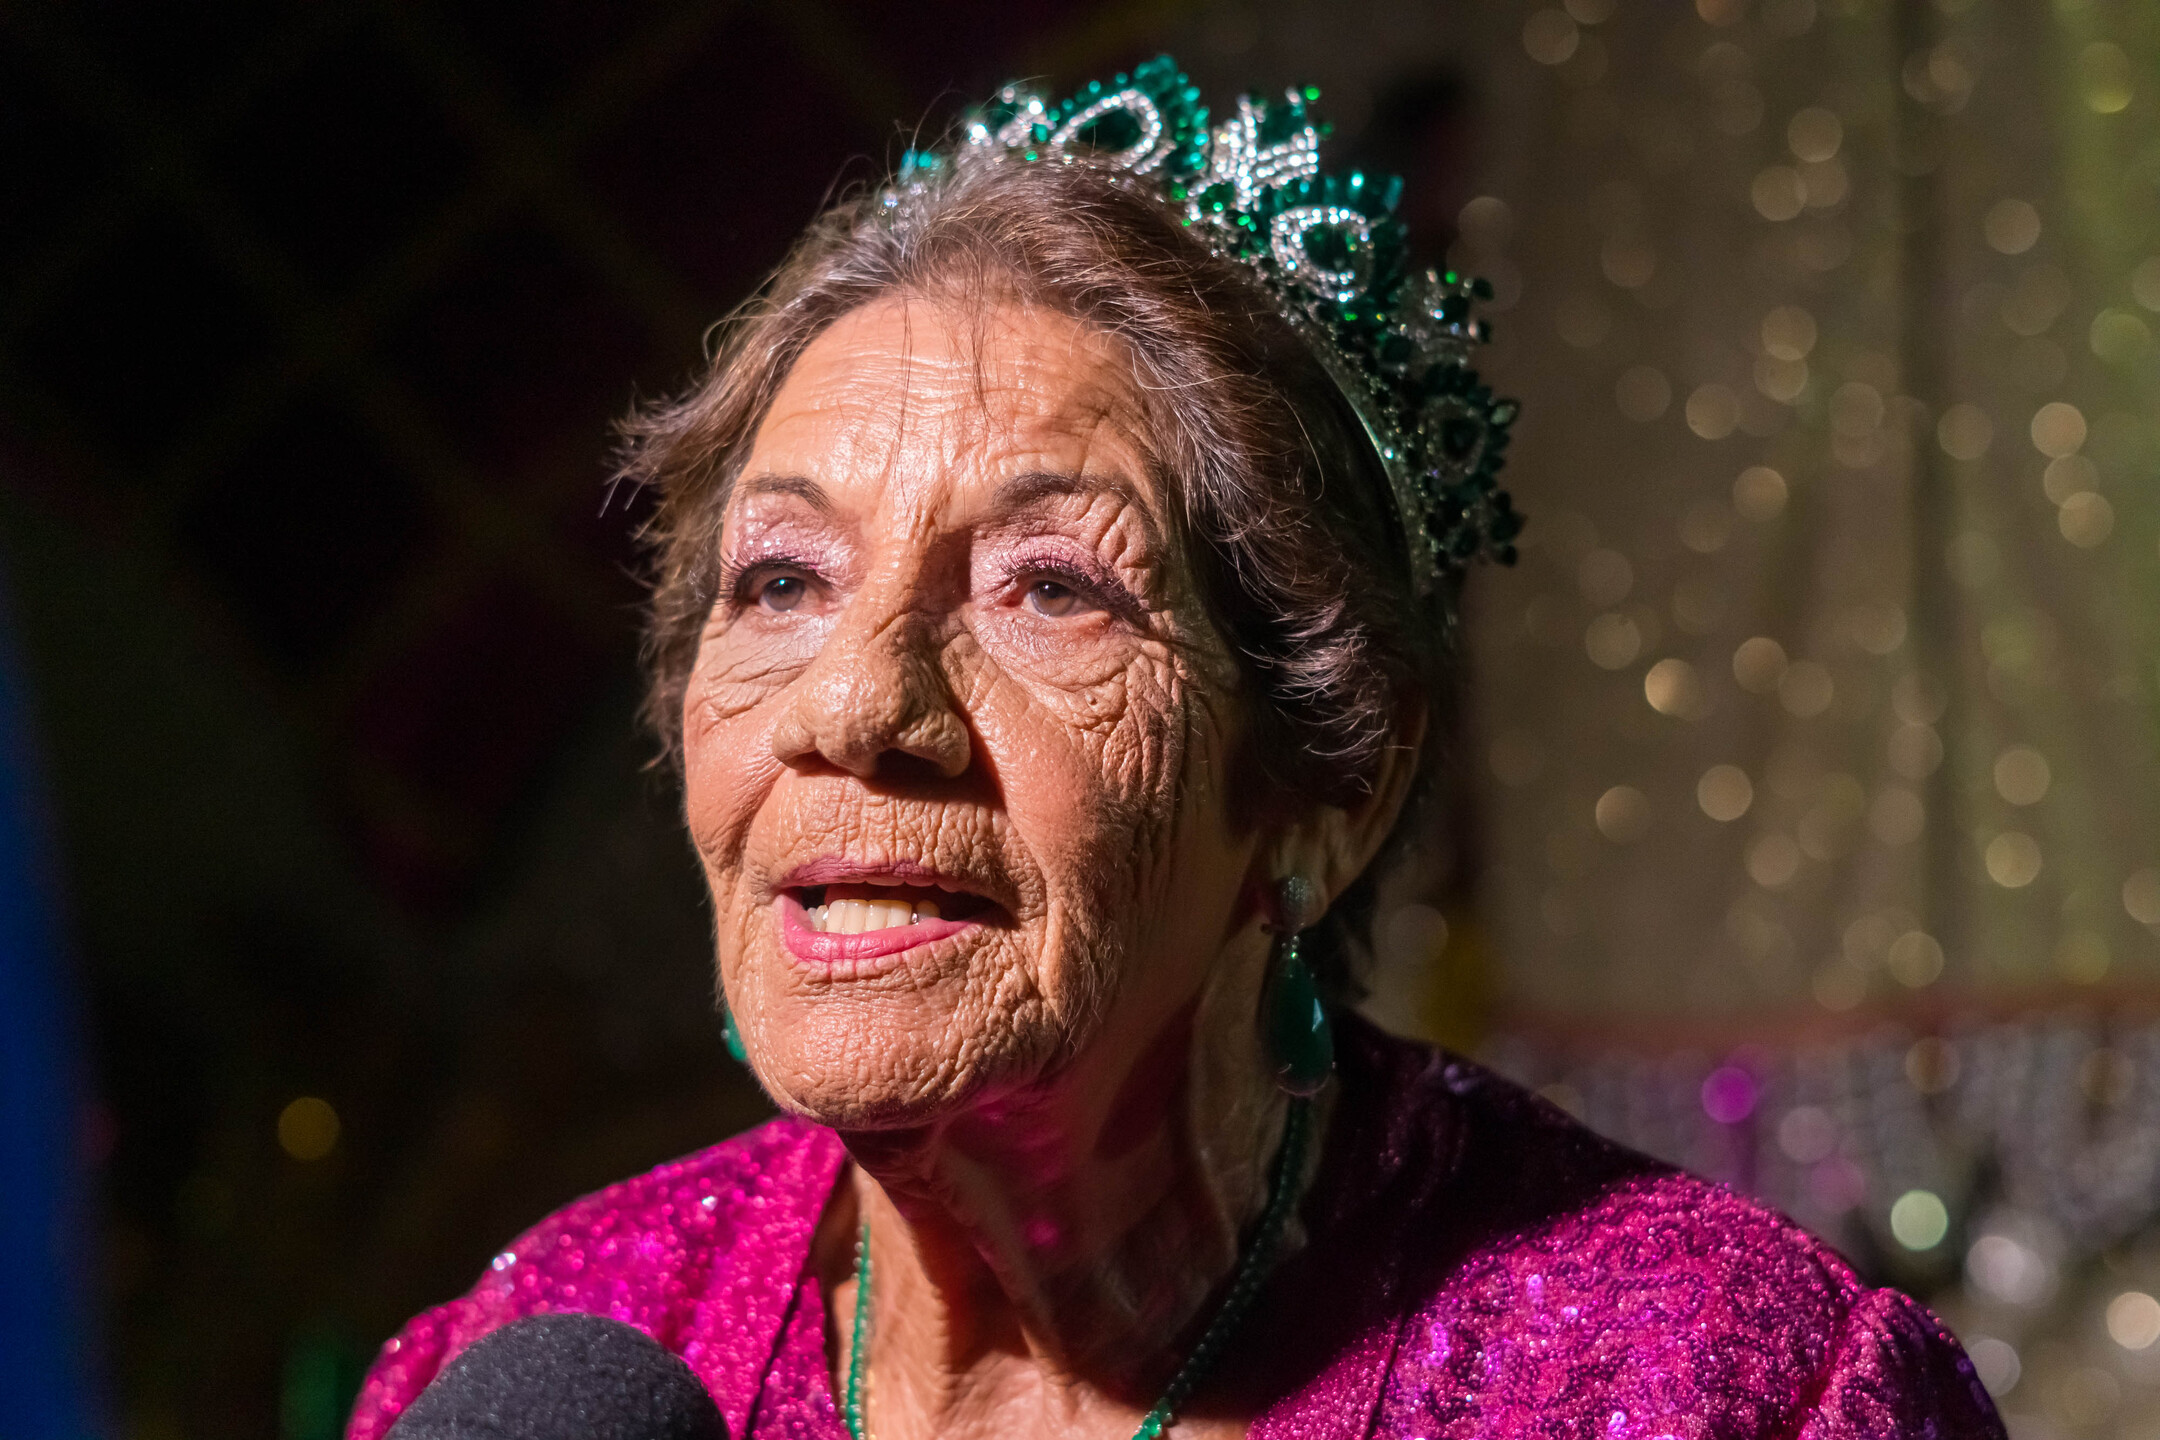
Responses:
[732,1036]
[1299,1037]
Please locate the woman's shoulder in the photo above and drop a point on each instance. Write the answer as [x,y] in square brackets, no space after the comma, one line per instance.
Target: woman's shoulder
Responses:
[1560,1270]
[1504,1189]
[651,1250]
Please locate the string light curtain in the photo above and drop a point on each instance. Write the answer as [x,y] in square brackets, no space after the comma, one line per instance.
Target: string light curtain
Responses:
[1827,686]
[1821,721]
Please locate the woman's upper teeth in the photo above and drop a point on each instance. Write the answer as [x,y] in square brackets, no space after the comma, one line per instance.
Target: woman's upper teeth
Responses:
[854,917]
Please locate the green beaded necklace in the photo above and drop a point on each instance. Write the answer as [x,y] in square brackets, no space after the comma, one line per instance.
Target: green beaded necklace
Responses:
[1252,1269]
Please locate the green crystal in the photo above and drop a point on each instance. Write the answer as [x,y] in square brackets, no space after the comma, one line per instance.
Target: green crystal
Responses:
[1299,1037]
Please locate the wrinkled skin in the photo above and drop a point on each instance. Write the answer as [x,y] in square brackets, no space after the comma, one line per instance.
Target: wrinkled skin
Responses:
[956,633]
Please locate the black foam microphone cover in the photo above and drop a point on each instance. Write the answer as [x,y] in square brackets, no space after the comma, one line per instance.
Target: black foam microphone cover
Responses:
[563,1377]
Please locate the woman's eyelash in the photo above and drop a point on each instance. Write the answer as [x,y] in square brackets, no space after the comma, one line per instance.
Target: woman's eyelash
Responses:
[1096,589]
[1071,577]
[736,576]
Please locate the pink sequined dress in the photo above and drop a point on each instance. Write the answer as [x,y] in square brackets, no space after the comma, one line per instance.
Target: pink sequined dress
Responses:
[1477,1265]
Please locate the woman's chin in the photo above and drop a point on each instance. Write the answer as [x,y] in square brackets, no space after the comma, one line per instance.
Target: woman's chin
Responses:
[855,1103]
[858,1067]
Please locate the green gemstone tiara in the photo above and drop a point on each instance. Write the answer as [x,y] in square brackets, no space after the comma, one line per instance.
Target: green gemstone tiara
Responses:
[1331,253]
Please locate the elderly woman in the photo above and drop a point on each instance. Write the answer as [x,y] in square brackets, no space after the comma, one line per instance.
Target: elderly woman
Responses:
[1053,571]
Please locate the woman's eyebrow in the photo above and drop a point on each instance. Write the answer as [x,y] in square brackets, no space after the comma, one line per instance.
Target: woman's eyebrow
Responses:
[801,487]
[1029,491]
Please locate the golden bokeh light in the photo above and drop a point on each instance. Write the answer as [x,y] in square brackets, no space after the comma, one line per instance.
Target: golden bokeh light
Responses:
[1629,261]
[1915,751]
[1713,412]
[2022,775]
[1759,494]
[1789,332]
[1758,664]
[2141,896]
[1914,959]
[2013,859]
[1856,409]
[2058,428]
[1814,133]
[308,1128]
[2039,297]
[2119,337]
[1878,629]
[2069,475]
[1784,381]
[2107,78]
[1612,641]
[1673,688]
[1623,814]
[2145,282]
[1725,793]
[1773,861]
[2133,1320]
[1550,37]
[1705,526]
[2011,226]
[2086,519]
[1778,192]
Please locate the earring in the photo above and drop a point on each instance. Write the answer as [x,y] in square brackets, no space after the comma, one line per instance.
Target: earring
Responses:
[731,1036]
[1299,1038]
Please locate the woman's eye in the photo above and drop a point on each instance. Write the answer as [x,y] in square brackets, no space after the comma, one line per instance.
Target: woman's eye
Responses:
[782,592]
[1048,597]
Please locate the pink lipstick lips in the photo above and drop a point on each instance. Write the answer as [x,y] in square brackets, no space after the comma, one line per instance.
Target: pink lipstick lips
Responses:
[826,948]
[839,912]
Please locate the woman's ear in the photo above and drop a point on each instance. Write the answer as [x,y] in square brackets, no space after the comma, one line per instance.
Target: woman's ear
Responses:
[1332,845]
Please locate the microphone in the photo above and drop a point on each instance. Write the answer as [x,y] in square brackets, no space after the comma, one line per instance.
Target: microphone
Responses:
[563,1377]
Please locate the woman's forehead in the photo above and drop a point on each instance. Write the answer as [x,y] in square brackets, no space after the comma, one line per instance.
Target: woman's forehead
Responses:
[910,380]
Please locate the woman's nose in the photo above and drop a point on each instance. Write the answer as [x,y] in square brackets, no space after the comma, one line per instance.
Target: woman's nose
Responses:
[874,693]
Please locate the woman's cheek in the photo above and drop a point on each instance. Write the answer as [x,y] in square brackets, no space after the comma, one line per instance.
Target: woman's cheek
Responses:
[728,762]
[1086,729]
[1076,659]
[741,666]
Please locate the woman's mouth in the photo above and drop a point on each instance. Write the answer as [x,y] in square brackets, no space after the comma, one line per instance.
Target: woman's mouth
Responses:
[871,917]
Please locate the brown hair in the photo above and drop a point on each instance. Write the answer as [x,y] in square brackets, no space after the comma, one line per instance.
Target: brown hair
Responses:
[1281,504]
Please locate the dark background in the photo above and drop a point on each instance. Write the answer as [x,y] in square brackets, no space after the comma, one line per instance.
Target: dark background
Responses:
[313,321]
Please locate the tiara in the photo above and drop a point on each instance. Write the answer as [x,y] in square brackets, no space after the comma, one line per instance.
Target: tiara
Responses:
[1331,254]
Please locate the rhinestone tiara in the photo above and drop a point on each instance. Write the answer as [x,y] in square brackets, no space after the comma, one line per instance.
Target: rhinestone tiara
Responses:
[1329,251]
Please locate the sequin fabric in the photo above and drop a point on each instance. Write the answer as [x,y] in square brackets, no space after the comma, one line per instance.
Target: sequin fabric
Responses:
[1477,1265]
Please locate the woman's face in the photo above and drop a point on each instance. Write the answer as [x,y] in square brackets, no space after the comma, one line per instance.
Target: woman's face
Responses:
[957,731]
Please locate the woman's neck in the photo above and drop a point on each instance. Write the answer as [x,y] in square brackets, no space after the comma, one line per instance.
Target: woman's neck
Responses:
[1040,1264]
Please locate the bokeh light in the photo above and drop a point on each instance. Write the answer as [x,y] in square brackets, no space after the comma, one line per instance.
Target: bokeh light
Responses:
[1724,793]
[1919,1220]
[308,1128]
[2133,1320]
